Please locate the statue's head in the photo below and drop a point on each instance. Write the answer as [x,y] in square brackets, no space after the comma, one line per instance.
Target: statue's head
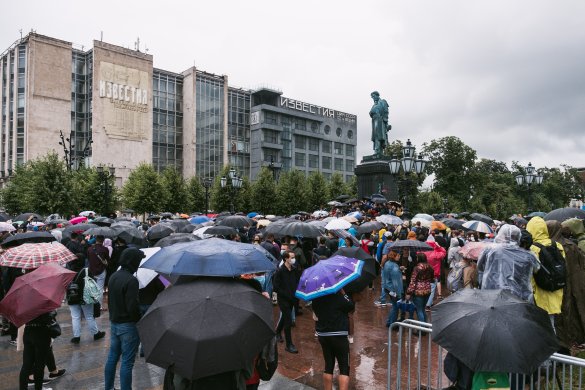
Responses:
[375,95]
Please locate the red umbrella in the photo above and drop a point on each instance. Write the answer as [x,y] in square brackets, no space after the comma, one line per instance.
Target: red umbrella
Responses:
[76,220]
[36,293]
[31,256]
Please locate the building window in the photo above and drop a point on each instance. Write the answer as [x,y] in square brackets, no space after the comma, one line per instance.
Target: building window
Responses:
[270,118]
[270,155]
[313,161]
[314,144]
[327,129]
[300,124]
[339,164]
[315,127]
[338,148]
[348,178]
[286,121]
[338,131]
[326,145]
[350,134]
[271,136]
[300,159]
[349,150]
[326,162]
[300,142]
[349,165]
[327,176]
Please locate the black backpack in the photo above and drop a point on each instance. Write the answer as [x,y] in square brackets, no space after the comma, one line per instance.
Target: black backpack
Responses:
[552,274]
[74,292]
[268,360]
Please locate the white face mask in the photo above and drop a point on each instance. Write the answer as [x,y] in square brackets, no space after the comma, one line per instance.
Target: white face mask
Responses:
[292,261]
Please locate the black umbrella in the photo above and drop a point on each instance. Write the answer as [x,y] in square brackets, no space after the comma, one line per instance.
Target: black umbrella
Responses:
[417,245]
[482,218]
[28,237]
[453,223]
[26,216]
[4,217]
[221,231]
[368,227]
[166,215]
[175,238]
[354,252]
[190,228]
[129,233]
[368,271]
[564,214]
[206,327]
[236,221]
[80,227]
[294,229]
[342,197]
[103,221]
[352,200]
[379,200]
[494,330]
[102,231]
[158,231]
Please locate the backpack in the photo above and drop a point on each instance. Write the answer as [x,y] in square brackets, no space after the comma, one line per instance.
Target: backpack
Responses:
[91,292]
[552,274]
[74,294]
[268,360]
[455,278]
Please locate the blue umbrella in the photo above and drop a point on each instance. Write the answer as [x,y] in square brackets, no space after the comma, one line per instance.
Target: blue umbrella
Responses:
[211,257]
[252,214]
[328,277]
[199,219]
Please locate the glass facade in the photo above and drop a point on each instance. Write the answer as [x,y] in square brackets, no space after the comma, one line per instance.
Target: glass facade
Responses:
[209,125]
[81,96]
[5,113]
[239,130]
[167,118]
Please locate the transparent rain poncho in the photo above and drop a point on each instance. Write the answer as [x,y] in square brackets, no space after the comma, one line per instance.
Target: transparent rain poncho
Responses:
[507,266]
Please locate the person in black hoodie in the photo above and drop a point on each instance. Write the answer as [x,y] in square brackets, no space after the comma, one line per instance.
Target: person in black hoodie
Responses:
[332,327]
[285,284]
[124,311]
[37,342]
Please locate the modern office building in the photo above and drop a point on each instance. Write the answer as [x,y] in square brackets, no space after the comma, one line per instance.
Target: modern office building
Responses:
[114,108]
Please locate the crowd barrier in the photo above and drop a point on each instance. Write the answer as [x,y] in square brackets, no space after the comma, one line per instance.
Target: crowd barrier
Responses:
[415,362]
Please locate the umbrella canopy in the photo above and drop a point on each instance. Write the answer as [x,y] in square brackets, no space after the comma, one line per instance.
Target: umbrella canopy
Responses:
[453,223]
[6,227]
[536,214]
[438,225]
[342,197]
[87,213]
[320,214]
[379,200]
[77,220]
[416,245]
[263,222]
[145,275]
[478,226]
[103,221]
[102,231]
[211,257]
[369,227]
[82,227]
[482,218]
[180,225]
[494,330]
[564,214]
[36,293]
[350,218]
[424,216]
[199,219]
[368,273]
[472,250]
[334,203]
[300,229]
[29,256]
[221,231]
[158,231]
[423,222]
[26,216]
[328,277]
[206,327]
[389,219]
[4,217]
[28,237]
[236,221]
[129,233]
[175,238]
[338,224]
[252,214]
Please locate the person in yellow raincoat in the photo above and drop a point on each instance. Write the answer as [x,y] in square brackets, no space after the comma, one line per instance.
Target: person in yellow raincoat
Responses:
[550,301]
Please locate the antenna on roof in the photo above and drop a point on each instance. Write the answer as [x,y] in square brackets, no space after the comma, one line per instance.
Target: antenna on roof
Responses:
[137,44]
[20,33]
[102,35]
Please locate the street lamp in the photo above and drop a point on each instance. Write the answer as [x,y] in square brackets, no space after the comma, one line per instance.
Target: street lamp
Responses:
[207,184]
[409,164]
[235,183]
[105,176]
[71,155]
[273,169]
[529,178]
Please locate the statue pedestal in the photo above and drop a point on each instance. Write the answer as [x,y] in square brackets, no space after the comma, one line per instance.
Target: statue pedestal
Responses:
[373,177]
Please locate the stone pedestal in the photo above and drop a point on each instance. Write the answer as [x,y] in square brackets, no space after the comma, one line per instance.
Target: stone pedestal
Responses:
[373,177]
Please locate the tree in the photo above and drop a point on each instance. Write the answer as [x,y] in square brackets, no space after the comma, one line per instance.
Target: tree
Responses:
[195,195]
[89,191]
[263,197]
[144,191]
[291,192]
[17,195]
[244,196]
[221,198]
[352,187]
[176,197]
[394,149]
[317,195]
[336,186]
[430,202]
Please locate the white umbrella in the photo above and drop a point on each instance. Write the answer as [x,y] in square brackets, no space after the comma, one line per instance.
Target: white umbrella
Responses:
[86,213]
[350,219]
[334,203]
[320,214]
[424,216]
[201,232]
[6,227]
[389,219]
[329,219]
[144,275]
[478,226]
[319,223]
[423,222]
[338,224]
[263,222]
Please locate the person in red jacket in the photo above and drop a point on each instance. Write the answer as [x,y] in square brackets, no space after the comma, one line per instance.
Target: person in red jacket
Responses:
[435,259]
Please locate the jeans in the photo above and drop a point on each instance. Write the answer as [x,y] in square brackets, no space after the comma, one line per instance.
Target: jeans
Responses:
[101,280]
[419,303]
[268,282]
[124,342]
[393,316]
[37,343]
[432,296]
[76,311]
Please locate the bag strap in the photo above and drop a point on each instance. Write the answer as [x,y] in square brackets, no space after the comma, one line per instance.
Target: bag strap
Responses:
[104,262]
[538,245]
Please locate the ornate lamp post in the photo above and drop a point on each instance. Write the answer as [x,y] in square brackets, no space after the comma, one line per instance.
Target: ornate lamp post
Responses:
[106,174]
[530,177]
[235,183]
[409,164]
[207,185]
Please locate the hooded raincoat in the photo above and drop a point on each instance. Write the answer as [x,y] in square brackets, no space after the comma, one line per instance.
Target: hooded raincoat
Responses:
[454,257]
[577,229]
[435,258]
[548,300]
[571,322]
[507,266]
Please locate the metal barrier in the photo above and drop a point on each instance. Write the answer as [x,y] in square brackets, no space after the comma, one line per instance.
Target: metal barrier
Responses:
[415,362]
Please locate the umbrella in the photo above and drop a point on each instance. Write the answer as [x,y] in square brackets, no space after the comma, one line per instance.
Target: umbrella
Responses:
[536,214]
[342,197]
[221,231]
[179,225]
[176,238]
[472,250]
[416,245]
[166,215]
[453,223]
[102,231]
[300,229]
[28,237]
[389,219]
[26,216]
[369,227]
[36,293]
[334,203]
[158,231]
[86,213]
[494,330]
[189,228]
[356,214]
[438,225]
[352,200]
[350,218]
[424,216]
[320,214]
[478,226]
[252,214]
[564,214]
[6,227]
[103,221]
[236,221]
[423,222]
[201,232]
[263,222]
[379,200]
[77,220]
[30,256]
[212,257]
[482,218]
[338,224]
[346,236]
[4,217]
[368,273]
[199,219]
[145,275]
[129,233]
[328,277]
[206,327]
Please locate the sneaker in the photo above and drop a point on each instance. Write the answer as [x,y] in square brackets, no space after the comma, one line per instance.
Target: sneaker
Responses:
[291,349]
[279,338]
[31,382]
[99,335]
[75,340]
[59,373]
[13,342]
[350,338]
[379,303]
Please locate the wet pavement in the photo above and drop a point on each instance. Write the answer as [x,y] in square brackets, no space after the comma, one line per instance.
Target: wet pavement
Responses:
[85,362]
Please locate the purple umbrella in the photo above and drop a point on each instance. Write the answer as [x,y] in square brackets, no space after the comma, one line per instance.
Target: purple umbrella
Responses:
[328,277]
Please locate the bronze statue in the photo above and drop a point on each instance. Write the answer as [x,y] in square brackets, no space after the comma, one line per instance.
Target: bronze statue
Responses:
[380,126]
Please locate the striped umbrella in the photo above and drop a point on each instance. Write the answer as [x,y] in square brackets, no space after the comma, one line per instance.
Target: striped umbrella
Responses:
[478,226]
[30,256]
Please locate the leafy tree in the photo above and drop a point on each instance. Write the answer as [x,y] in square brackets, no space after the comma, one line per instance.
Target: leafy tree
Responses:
[429,202]
[291,192]
[352,187]
[263,197]
[244,196]
[394,149]
[144,191]
[195,195]
[221,198]
[336,186]
[176,197]
[17,196]
[316,191]
[89,191]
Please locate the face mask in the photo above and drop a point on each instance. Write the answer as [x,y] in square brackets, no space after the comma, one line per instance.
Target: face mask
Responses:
[261,279]
[292,261]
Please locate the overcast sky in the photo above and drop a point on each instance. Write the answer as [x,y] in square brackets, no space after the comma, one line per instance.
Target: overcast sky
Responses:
[507,77]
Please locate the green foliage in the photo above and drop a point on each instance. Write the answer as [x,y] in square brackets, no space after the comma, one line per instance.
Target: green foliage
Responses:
[195,195]
[316,191]
[352,187]
[176,198]
[244,196]
[263,196]
[90,192]
[221,197]
[291,193]
[336,186]
[144,191]
[429,202]
[394,149]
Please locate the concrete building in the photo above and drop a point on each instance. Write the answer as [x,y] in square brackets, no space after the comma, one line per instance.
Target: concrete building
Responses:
[114,108]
